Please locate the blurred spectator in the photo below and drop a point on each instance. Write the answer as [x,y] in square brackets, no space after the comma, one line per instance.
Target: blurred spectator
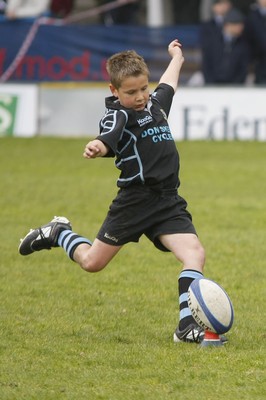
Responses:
[219,9]
[61,8]
[212,31]
[243,5]
[127,14]
[225,56]
[256,35]
[2,6]
[26,8]
[186,12]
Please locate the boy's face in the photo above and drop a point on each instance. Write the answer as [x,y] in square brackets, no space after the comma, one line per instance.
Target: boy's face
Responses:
[133,92]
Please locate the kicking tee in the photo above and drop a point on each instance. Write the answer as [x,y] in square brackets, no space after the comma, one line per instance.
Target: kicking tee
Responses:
[141,141]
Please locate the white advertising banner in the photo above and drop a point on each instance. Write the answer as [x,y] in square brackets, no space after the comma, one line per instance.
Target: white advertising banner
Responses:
[18,110]
[219,114]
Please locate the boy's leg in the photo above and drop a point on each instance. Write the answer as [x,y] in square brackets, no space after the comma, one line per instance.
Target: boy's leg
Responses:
[187,249]
[58,232]
[95,257]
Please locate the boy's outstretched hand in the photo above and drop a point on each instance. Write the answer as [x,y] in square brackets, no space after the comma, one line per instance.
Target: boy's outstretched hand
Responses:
[171,74]
[174,49]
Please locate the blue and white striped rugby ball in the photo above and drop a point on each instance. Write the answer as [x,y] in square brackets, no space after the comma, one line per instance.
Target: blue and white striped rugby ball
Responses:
[210,305]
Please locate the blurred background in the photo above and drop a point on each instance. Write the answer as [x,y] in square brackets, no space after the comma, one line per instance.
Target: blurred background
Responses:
[53,53]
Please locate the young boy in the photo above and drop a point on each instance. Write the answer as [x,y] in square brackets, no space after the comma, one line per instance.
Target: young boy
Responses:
[134,129]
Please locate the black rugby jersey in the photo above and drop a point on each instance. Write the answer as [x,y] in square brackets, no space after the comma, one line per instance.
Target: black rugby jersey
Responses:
[141,141]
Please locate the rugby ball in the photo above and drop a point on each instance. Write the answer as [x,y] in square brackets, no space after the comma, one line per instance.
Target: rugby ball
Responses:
[210,305]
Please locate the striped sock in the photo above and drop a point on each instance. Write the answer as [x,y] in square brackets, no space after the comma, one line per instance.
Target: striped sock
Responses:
[184,281]
[70,241]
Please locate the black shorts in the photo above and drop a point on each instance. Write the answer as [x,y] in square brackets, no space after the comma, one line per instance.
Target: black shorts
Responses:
[141,210]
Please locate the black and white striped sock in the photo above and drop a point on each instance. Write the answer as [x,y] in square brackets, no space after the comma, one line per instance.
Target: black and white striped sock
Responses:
[184,281]
[70,241]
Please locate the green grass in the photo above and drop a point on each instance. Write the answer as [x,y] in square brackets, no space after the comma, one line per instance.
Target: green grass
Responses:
[66,334]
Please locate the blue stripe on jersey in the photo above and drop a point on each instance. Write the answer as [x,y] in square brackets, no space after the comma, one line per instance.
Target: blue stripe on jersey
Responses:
[135,155]
[110,124]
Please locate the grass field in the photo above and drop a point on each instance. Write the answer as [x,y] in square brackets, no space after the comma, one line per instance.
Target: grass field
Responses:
[66,334]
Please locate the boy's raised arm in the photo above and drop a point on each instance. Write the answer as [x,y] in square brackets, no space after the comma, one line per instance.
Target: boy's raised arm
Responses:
[171,74]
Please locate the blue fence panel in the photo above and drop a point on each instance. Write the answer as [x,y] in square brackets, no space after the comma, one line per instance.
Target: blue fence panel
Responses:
[79,52]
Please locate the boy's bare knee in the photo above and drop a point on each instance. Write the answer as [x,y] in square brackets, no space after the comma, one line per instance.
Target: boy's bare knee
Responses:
[88,264]
[95,258]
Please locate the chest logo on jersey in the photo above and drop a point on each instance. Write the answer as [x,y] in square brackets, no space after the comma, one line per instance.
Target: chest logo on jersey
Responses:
[145,120]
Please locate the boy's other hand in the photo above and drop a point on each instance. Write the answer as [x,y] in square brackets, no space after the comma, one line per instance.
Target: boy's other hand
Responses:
[94,149]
